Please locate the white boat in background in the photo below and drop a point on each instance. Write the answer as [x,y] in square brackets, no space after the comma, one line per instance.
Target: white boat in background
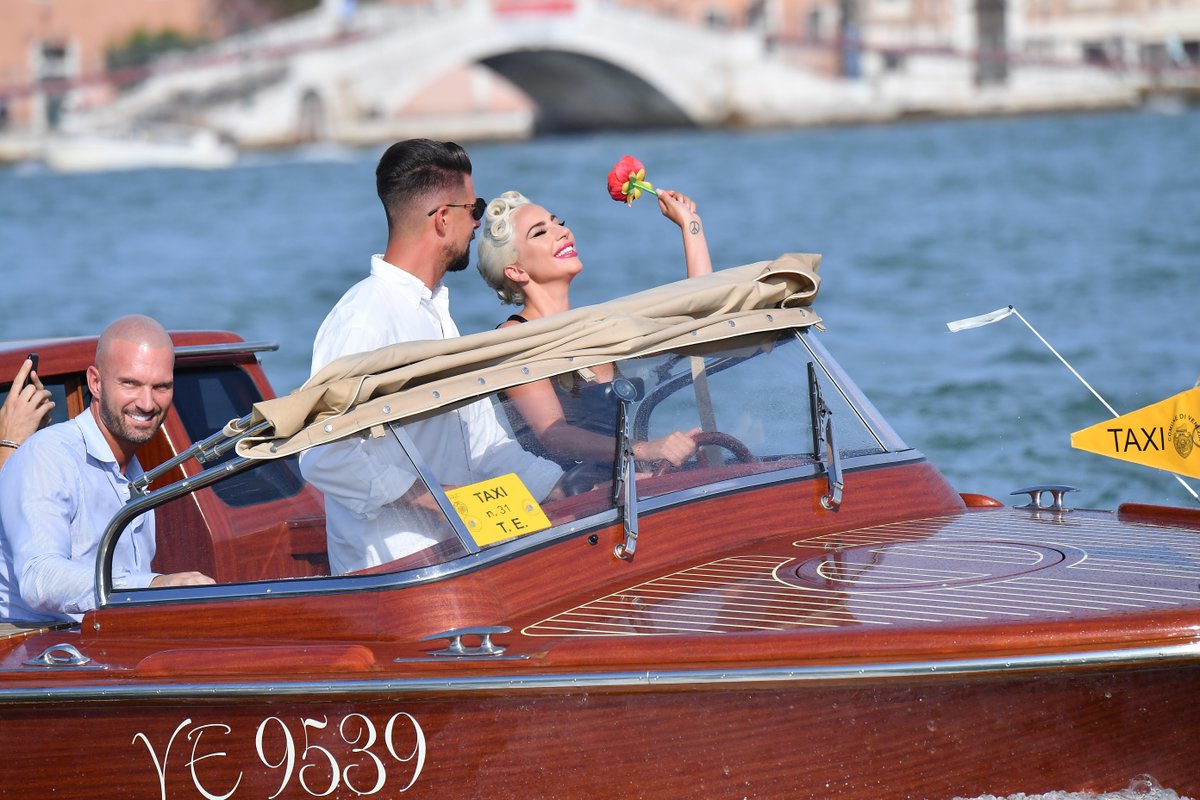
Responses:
[142,148]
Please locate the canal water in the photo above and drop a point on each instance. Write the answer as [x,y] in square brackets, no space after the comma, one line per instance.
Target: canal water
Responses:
[1089,225]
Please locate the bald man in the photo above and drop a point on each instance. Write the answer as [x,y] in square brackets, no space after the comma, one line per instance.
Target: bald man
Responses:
[60,489]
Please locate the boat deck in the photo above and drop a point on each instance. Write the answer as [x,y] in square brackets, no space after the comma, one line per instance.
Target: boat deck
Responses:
[963,569]
[11,629]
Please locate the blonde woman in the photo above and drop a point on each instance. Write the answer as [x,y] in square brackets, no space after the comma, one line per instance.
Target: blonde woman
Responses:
[529,257]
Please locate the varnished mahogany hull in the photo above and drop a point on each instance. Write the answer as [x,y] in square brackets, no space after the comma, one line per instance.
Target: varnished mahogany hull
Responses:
[932,737]
[201,700]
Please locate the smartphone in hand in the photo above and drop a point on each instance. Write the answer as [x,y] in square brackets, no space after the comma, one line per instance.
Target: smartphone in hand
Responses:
[34,358]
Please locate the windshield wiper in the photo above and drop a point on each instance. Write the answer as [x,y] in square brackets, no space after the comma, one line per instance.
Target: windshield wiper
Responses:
[624,481]
[822,423]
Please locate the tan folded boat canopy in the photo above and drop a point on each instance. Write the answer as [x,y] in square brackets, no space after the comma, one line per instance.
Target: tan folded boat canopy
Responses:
[414,379]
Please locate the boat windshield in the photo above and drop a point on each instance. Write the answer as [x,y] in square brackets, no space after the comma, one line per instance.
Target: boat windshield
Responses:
[542,461]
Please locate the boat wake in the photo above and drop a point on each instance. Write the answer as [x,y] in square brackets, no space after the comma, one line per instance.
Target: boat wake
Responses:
[1143,787]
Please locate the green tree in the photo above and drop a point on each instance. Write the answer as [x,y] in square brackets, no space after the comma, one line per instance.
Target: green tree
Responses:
[142,47]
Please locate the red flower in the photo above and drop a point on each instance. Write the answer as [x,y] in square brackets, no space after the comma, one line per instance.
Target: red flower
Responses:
[627,180]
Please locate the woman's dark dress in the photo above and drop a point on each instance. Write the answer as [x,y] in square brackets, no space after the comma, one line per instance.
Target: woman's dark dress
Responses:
[588,405]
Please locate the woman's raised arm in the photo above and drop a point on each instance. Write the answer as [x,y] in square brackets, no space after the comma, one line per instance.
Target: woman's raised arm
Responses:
[681,210]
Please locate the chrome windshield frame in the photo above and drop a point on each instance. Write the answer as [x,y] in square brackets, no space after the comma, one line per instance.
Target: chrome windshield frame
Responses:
[340,584]
[426,475]
[892,451]
[870,417]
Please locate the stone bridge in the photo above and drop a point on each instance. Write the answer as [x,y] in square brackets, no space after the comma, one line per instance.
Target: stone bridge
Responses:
[586,64]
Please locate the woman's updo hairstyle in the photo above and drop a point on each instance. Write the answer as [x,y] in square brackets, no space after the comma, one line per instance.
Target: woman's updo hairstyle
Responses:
[498,248]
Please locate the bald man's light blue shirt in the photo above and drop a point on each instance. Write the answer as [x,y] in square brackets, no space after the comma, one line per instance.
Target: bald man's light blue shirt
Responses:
[58,492]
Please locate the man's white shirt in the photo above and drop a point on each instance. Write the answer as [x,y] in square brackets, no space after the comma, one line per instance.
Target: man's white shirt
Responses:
[363,476]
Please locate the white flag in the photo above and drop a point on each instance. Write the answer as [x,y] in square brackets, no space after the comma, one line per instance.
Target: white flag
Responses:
[978,322]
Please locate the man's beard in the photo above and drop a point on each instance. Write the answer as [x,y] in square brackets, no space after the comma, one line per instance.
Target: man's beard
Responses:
[116,423]
[459,262]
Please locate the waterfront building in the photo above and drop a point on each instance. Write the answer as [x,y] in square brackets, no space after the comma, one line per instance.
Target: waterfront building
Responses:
[59,57]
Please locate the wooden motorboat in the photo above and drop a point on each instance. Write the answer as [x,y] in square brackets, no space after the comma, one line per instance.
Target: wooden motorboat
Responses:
[806,610]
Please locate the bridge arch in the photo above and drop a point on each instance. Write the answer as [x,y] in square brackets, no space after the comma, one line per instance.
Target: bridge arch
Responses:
[575,91]
[600,66]
[583,71]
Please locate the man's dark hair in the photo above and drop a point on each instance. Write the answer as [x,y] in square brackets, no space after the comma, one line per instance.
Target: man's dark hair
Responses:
[415,169]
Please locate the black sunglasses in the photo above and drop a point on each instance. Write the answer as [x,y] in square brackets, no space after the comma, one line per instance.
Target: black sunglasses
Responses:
[477,208]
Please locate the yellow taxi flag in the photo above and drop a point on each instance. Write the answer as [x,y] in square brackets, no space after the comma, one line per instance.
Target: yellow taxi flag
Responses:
[1165,435]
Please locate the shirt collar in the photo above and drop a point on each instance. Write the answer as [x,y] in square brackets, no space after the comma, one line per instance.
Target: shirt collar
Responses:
[412,286]
[97,446]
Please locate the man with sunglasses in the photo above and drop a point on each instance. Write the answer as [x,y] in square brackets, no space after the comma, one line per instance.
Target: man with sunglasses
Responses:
[376,509]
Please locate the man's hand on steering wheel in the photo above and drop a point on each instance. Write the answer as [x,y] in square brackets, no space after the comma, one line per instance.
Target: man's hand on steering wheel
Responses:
[674,448]
[705,438]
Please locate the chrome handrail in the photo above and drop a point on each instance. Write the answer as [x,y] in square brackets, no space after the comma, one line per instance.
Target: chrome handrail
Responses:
[225,349]
[147,502]
[204,451]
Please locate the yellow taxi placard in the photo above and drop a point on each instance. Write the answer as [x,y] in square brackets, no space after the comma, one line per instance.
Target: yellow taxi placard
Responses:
[498,509]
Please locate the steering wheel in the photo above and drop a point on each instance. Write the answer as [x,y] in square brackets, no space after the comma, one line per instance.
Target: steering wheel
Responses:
[734,445]
[584,476]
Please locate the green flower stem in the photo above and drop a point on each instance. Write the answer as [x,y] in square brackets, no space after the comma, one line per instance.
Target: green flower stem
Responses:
[645,187]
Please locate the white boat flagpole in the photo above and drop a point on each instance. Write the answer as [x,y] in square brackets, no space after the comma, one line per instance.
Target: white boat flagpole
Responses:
[1002,313]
